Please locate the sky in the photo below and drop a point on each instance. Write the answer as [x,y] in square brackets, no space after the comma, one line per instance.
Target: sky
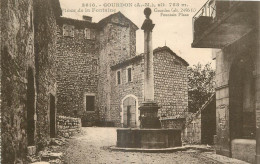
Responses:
[172,31]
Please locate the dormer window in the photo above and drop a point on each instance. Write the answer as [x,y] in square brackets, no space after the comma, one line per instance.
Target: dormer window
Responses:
[68,30]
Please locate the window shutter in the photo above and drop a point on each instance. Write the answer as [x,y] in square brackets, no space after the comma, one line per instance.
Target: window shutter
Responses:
[87,33]
[93,34]
[65,30]
[72,31]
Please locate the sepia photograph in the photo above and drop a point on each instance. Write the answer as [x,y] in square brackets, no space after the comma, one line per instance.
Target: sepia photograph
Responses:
[130,82]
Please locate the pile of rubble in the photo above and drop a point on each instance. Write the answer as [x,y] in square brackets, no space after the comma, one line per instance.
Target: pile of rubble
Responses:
[50,155]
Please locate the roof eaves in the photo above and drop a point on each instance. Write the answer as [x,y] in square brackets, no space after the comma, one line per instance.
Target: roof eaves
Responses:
[165,48]
[106,20]
[126,62]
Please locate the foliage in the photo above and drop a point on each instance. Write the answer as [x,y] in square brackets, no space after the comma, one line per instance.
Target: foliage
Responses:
[201,85]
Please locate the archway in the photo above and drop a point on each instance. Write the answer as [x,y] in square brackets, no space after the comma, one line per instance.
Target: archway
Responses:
[30,108]
[241,98]
[129,111]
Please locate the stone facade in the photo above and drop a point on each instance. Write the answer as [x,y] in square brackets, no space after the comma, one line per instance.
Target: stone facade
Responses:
[84,63]
[127,90]
[170,83]
[117,43]
[28,48]
[77,60]
[45,16]
[231,119]
[171,87]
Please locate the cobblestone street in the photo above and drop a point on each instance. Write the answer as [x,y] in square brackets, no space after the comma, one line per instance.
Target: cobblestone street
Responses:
[92,146]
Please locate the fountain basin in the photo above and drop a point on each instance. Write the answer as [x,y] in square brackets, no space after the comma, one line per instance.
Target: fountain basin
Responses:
[148,138]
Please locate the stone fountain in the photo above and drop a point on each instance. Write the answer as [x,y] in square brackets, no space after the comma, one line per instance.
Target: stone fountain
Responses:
[150,135]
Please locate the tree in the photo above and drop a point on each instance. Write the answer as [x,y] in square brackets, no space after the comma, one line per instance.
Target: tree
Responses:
[201,85]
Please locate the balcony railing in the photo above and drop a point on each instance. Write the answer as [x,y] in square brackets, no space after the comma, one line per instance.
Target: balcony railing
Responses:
[209,13]
[206,13]
[208,10]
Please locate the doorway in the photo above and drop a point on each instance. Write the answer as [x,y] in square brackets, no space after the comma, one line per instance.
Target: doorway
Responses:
[128,116]
[129,107]
[52,116]
[241,93]
[30,108]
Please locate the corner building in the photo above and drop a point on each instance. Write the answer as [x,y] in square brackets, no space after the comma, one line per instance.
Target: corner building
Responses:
[232,30]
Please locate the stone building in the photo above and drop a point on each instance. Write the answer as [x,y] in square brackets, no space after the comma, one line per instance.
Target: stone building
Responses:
[28,78]
[77,71]
[232,29]
[127,81]
[101,79]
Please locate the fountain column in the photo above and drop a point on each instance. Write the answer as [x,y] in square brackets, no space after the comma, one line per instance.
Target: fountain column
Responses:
[148,109]
[150,135]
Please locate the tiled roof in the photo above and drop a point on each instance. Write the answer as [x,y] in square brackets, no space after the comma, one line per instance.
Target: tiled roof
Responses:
[77,23]
[127,62]
[138,57]
[83,23]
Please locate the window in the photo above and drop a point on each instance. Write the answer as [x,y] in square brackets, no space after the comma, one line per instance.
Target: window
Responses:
[87,33]
[90,103]
[68,30]
[129,77]
[93,36]
[118,75]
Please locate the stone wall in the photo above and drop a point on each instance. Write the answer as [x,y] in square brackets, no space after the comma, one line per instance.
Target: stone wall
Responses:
[27,49]
[192,132]
[17,54]
[68,126]
[170,83]
[45,50]
[225,92]
[173,123]
[77,61]
[1,80]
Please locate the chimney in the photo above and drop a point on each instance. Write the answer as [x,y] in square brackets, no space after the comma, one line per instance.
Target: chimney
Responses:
[87,18]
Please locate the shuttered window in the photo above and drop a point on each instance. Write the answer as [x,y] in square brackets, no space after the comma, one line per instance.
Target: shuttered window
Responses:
[87,33]
[68,30]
